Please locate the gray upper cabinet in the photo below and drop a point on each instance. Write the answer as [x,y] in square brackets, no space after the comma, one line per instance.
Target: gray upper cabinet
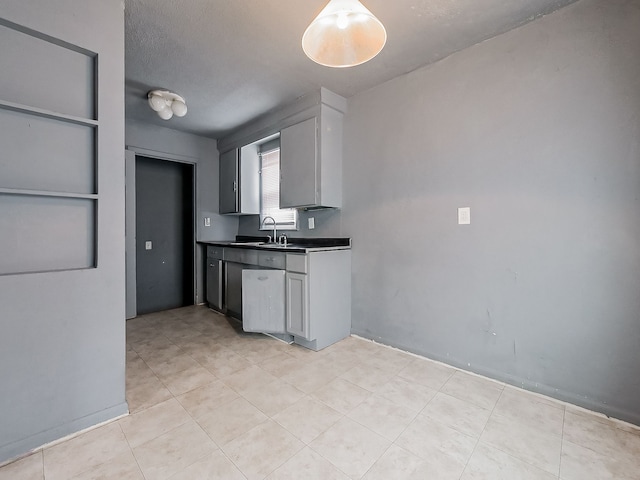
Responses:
[310,152]
[298,165]
[239,181]
[311,162]
[229,198]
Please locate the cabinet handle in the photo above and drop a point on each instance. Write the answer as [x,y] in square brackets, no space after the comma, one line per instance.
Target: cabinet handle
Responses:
[262,279]
[235,186]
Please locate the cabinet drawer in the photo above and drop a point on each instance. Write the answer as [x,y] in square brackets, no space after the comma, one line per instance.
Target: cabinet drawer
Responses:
[214,252]
[296,263]
[241,255]
[272,260]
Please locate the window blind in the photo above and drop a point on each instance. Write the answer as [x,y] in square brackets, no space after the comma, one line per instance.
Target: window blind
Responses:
[270,191]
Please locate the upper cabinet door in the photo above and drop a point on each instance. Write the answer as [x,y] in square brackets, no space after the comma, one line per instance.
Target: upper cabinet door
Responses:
[298,165]
[229,182]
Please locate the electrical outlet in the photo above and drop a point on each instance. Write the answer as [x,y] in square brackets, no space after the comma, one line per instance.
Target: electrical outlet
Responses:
[148,245]
[464,215]
[312,223]
[207,221]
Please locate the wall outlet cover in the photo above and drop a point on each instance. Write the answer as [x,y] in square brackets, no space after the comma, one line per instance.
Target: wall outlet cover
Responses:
[207,221]
[464,215]
[148,245]
[312,223]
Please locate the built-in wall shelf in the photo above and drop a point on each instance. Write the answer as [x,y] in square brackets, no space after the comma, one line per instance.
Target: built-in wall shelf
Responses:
[41,112]
[48,170]
[45,193]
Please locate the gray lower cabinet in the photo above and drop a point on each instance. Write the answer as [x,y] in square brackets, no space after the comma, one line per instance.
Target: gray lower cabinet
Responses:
[297,305]
[303,295]
[318,297]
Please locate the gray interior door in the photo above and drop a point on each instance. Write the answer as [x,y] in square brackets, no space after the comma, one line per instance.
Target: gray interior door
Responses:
[164,235]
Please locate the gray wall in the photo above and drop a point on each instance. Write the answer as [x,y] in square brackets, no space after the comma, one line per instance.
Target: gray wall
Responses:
[538,132]
[62,344]
[166,143]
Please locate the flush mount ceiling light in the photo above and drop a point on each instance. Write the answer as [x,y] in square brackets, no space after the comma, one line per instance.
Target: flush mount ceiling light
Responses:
[167,104]
[344,34]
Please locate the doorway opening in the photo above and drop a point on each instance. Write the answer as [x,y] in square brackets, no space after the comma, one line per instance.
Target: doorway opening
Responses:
[165,234]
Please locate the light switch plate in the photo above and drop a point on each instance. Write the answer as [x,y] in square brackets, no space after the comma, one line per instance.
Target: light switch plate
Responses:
[312,223]
[207,221]
[148,245]
[464,215]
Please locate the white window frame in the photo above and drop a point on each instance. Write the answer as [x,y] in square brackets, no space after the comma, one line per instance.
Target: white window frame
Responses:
[288,225]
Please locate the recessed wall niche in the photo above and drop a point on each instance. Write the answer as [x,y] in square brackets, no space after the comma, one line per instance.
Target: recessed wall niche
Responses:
[48,169]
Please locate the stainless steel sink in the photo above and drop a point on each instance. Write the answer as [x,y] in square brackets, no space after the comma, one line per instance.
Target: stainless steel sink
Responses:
[265,245]
[288,245]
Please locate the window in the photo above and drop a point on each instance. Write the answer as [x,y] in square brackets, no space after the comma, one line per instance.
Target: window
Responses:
[286,218]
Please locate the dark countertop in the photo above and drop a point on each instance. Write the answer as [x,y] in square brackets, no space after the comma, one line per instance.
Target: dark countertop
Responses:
[295,245]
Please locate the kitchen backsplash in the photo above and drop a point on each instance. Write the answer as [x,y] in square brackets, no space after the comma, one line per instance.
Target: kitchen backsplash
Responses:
[327,223]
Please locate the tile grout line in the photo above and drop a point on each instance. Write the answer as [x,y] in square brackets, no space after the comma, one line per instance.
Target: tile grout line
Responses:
[308,445]
[269,417]
[188,413]
[521,459]
[343,416]
[214,442]
[481,433]
[564,419]
[439,390]
[393,442]
[195,321]
[132,453]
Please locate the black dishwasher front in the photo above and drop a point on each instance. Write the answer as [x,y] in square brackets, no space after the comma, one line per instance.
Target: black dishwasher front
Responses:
[233,288]
[235,261]
[215,278]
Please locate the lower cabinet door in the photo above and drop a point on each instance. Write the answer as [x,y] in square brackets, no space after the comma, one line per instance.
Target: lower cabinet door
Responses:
[233,289]
[214,283]
[263,300]
[298,305]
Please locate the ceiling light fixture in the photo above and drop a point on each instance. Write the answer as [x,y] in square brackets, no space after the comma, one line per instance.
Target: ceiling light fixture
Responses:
[344,34]
[167,104]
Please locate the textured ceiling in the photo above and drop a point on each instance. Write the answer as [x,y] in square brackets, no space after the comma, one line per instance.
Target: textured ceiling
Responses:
[235,59]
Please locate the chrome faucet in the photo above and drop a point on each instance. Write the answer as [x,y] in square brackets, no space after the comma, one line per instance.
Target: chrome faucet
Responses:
[275,238]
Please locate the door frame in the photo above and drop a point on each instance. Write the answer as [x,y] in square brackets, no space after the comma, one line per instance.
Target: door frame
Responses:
[131,152]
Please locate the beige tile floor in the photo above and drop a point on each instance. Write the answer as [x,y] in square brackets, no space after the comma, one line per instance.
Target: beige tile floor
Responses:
[209,402]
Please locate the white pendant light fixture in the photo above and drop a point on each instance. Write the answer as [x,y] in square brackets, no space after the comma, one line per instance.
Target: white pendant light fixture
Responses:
[167,104]
[344,34]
